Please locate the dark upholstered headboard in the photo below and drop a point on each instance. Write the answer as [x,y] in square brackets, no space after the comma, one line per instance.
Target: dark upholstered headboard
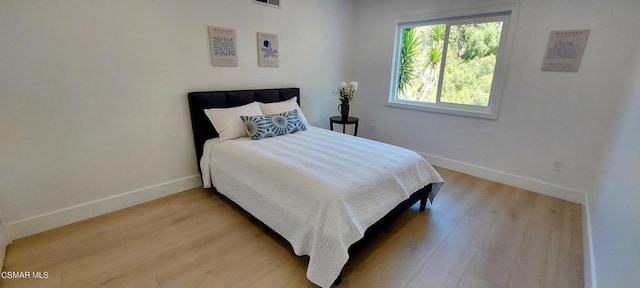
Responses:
[198,101]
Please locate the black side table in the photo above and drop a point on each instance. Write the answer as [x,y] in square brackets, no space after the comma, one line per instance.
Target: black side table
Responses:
[350,120]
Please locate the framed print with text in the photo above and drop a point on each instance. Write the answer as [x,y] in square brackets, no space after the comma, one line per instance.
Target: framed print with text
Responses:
[224,47]
[564,50]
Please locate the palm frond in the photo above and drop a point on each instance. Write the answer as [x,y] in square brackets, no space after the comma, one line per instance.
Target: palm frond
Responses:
[407,68]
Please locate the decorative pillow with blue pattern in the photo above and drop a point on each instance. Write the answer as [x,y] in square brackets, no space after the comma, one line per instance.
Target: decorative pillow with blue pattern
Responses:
[265,126]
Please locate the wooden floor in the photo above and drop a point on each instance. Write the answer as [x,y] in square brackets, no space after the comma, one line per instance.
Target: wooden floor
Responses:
[477,233]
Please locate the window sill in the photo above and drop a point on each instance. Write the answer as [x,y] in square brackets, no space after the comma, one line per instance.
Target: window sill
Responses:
[460,110]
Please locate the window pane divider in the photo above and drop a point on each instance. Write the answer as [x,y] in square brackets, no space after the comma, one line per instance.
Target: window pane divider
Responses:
[505,13]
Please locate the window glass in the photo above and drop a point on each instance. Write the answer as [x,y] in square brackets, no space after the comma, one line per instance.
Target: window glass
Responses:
[451,64]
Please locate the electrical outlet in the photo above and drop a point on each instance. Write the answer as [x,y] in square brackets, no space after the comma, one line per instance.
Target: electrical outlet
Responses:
[557,165]
[373,129]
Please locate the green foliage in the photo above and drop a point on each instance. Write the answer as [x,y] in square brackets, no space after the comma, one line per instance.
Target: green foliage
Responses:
[434,57]
[470,63]
[476,40]
[468,82]
[428,57]
[437,32]
[407,68]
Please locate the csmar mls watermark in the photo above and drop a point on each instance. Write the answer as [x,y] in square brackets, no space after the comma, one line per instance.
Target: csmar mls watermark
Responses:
[24,275]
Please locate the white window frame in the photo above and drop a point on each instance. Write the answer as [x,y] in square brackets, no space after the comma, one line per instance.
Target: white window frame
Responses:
[507,13]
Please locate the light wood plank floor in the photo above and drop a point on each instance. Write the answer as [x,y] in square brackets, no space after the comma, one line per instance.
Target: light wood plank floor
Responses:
[477,233]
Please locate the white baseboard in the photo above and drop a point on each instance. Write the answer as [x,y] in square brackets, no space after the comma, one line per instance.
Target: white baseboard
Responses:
[535,186]
[50,220]
[509,179]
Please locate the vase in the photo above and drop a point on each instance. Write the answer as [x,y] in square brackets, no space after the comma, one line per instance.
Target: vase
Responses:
[344,110]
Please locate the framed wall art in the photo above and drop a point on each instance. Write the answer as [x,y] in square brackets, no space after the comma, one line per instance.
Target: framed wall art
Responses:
[564,50]
[224,47]
[268,54]
[270,3]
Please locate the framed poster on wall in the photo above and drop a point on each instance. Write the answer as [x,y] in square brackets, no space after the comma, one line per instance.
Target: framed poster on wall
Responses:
[564,50]
[268,55]
[224,46]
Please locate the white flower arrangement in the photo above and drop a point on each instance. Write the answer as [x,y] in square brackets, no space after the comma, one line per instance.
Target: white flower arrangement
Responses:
[346,91]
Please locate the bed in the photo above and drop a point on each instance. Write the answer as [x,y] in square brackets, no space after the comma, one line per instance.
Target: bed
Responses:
[320,190]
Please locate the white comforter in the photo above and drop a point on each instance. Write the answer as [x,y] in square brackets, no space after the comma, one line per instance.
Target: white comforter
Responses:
[318,189]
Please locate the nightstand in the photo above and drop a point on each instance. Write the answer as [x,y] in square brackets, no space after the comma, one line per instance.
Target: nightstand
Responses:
[344,122]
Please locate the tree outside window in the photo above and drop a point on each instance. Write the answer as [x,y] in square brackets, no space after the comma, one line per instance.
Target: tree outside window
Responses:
[451,63]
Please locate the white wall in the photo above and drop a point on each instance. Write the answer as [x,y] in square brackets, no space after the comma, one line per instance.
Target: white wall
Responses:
[543,116]
[93,93]
[614,213]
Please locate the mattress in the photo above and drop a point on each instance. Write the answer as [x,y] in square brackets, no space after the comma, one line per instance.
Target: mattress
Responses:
[317,188]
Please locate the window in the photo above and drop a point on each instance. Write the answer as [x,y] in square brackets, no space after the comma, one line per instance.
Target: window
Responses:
[453,63]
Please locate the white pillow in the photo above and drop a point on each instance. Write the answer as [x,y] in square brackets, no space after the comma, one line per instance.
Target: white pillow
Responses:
[227,120]
[281,107]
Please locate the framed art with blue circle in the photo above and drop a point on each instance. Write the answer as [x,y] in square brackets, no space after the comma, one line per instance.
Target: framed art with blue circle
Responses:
[268,53]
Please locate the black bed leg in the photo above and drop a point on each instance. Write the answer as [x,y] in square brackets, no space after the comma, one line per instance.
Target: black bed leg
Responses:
[338,280]
[425,198]
[423,203]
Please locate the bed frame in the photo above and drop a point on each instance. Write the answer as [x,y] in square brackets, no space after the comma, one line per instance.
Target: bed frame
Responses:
[198,101]
[204,130]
